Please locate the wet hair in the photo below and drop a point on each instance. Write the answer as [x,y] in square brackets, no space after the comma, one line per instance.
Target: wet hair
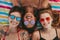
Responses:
[17,9]
[30,30]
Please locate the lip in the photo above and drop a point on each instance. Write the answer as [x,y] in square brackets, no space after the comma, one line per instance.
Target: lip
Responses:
[45,24]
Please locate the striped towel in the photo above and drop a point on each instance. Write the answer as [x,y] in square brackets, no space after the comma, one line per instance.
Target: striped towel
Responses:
[4,11]
[55,4]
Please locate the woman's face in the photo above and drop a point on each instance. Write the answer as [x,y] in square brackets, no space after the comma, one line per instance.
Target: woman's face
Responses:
[14,19]
[46,20]
[29,20]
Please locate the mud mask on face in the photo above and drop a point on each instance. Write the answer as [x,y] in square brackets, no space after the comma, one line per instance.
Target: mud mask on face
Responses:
[31,22]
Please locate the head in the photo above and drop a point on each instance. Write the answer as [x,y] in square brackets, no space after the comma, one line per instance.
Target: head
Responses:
[29,17]
[45,18]
[15,15]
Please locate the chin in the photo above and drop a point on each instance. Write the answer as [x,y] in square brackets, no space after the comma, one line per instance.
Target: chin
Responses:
[47,27]
[14,25]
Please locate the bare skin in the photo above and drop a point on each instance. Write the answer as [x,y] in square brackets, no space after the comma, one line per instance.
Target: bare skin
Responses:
[35,3]
[50,34]
[23,35]
[36,35]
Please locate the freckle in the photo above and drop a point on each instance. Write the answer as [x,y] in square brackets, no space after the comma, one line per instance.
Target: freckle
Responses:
[16,23]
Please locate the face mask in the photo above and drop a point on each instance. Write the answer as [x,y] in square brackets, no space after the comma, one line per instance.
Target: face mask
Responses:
[31,22]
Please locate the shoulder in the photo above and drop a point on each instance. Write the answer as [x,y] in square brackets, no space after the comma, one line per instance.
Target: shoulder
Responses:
[58,30]
[36,34]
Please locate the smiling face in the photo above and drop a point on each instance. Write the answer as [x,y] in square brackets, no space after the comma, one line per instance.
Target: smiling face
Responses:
[29,20]
[46,20]
[14,19]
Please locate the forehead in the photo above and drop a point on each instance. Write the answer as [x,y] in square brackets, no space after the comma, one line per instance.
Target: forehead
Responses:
[44,15]
[16,14]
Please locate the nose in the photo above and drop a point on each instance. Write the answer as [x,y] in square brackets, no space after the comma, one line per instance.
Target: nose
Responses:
[14,19]
[45,21]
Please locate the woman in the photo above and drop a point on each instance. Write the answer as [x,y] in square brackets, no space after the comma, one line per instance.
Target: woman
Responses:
[15,32]
[47,32]
[29,20]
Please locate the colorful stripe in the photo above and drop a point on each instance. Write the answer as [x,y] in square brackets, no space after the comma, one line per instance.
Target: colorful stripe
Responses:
[3,20]
[55,3]
[56,7]
[1,0]
[55,0]
[4,13]
[5,7]
[3,16]
[4,10]
[7,3]
[1,6]
[4,23]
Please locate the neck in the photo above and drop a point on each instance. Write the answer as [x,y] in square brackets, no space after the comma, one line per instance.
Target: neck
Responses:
[12,29]
[48,29]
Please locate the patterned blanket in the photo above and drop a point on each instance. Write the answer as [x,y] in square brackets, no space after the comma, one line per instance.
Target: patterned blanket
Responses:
[4,11]
[55,4]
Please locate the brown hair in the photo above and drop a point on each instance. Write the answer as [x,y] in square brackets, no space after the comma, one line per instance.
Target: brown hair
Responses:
[49,11]
[56,19]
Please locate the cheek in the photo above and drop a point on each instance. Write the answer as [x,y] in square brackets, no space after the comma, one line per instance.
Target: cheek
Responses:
[33,18]
[9,19]
[25,18]
[17,23]
[50,22]
[42,23]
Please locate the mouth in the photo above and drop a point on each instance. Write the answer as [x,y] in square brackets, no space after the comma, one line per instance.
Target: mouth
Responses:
[28,17]
[45,24]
